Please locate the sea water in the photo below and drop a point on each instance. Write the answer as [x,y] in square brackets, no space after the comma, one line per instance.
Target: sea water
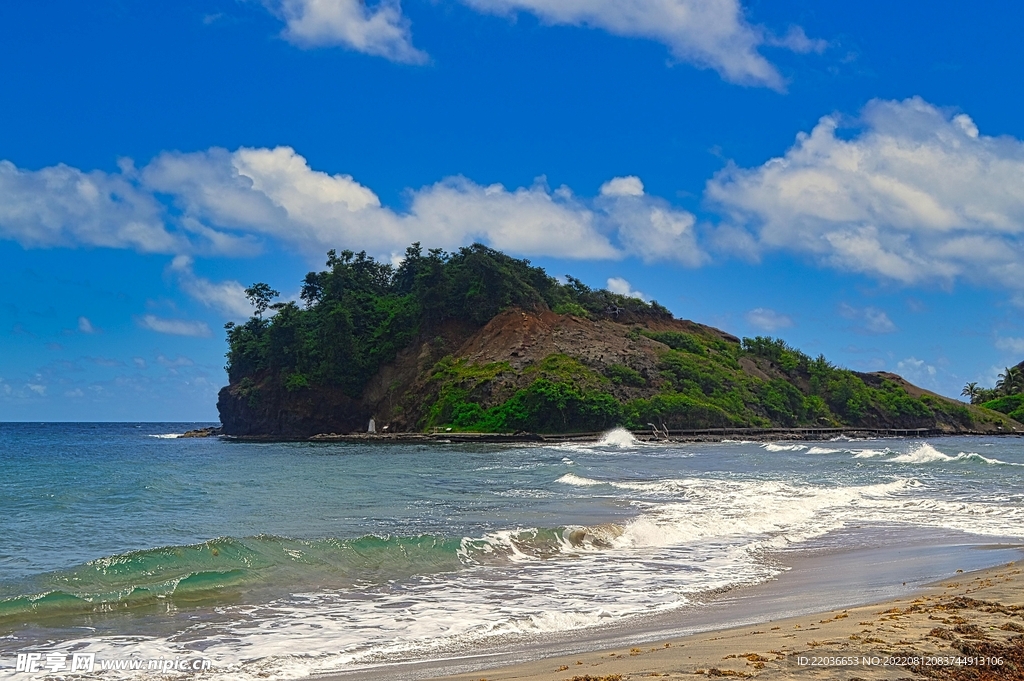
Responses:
[284,560]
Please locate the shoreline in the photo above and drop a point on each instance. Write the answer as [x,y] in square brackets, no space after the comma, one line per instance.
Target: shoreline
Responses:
[976,617]
[811,610]
[672,436]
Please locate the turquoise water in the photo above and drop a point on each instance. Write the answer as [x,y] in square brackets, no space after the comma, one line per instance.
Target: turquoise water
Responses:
[291,559]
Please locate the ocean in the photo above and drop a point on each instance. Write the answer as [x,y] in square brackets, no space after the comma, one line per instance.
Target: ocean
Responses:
[286,560]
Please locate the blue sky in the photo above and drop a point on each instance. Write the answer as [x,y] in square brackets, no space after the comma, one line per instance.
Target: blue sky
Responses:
[848,177]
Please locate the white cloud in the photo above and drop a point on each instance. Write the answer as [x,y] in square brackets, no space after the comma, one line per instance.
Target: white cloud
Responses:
[63,206]
[37,388]
[868,319]
[916,195]
[77,392]
[797,41]
[766,319]
[174,327]
[275,192]
[624,288]
[1014,345]
[85,326]
[916,370]
[706,33]
[230,203]
[139,362]
[225,296]
[648,226]
[623,186]
[381,31]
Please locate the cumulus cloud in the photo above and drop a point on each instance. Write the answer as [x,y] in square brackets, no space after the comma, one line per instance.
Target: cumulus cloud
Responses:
[916,194]
[623,288]
[63,206]
[381,30]
[174,327]
[231,203]
[647,226]
[868,319]
[274,192]
[766,319]
[708,34]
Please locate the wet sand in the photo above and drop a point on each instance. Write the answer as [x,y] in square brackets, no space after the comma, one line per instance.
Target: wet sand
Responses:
[813,612]
[967,627]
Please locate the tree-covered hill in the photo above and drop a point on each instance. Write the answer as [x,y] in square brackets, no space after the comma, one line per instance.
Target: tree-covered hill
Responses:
[1006,397]
[478,341]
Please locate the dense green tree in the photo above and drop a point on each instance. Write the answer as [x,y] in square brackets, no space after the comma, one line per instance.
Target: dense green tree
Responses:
[260,295]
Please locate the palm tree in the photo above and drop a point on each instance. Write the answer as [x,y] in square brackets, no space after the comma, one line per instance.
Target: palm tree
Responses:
[971,391]
[1009,381]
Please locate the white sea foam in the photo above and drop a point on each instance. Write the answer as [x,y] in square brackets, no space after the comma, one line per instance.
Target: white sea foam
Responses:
[870,453]
[922,453]
[825,450]
[167,436]
[578,481]
[776,447]
[619,437]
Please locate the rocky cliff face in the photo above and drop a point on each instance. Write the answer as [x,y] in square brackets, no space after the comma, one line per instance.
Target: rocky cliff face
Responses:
[267,409]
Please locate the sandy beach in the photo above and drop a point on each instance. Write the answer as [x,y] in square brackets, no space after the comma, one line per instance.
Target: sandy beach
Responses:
[966,627]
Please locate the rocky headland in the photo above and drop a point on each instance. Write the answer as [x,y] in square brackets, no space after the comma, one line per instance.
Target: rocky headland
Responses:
[478,342]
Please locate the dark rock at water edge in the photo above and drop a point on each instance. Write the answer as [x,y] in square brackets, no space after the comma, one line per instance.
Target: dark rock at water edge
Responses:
[203,432]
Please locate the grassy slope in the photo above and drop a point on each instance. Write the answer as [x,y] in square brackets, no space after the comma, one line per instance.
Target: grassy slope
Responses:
[697,380]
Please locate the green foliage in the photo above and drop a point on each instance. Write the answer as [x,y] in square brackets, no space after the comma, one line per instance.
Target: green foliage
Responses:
[296,381]
[573,309]
[248,390]
[1007,404]
[621,374]
[679,412]
[259,296]
[777,351]
[359,313]
[782,402]
[686,342]
[564,396]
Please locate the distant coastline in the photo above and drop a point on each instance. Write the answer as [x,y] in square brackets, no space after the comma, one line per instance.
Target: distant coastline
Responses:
[681,436]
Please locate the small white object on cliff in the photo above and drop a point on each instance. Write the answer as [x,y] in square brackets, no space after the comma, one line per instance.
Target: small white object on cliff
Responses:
[373,427]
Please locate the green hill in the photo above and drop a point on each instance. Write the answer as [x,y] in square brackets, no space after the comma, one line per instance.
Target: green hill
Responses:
[478,341]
